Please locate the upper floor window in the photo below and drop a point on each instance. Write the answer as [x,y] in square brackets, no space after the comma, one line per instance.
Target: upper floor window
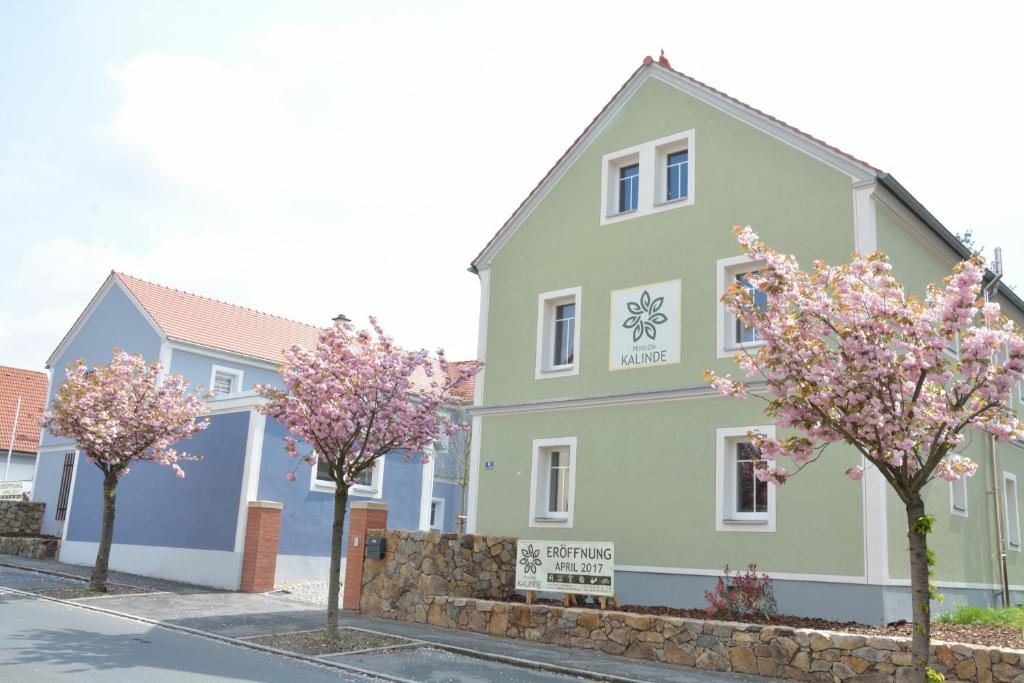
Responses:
[225,381]
[677,175]
[553,482]
[743,333]
[744,502]
[958,497]
[565,330]
[652,176]
[1012,511]
[558,333]
[733,334]
[629,187]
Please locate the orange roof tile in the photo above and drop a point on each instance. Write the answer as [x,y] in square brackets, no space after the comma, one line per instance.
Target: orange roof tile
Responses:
[31,387]
[195,319]
[214,324]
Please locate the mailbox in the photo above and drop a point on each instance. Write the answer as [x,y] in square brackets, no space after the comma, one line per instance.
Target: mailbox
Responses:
[375,548]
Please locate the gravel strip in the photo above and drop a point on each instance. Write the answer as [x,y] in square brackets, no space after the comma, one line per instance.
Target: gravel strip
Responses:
[319,643]
[77,592]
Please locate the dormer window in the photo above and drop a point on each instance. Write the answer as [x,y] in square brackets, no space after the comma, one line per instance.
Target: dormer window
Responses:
[652,176]
[224,381]
[677,174]
[629,187]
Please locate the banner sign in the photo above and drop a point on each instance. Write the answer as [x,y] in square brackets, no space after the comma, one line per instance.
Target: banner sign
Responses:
[645,325]
[11,490]
[566,567]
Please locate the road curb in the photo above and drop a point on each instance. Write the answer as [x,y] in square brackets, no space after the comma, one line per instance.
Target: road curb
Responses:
[320,661]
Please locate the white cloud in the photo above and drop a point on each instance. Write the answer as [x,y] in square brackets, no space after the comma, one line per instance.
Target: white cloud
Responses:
[356,165]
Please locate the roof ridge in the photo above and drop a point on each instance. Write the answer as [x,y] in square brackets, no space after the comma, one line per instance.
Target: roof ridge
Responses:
[662,63]
[120,275]
[768,116]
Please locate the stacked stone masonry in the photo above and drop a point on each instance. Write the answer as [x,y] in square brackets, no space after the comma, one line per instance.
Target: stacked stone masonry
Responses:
[418,578]
[20,518]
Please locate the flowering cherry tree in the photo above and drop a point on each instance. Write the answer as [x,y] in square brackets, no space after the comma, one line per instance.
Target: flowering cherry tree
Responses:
[849,356]
[352,400]
[119,414]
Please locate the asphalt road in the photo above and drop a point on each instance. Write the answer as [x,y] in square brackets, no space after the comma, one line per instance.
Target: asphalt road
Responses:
[46,641]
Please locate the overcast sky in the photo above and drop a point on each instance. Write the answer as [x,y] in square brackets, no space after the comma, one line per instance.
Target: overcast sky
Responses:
[308,158]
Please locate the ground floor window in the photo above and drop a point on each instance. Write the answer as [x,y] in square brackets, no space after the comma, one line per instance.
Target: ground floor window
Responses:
[367,483]
[743,502]
[553,482]
[437,513]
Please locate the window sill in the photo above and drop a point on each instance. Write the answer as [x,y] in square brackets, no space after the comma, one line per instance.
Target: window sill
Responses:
[744,345]
[559,368]
[331,487]
[551,521]
[756,522]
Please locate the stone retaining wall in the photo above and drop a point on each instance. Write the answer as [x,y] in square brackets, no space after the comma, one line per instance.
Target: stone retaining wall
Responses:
[458,581]
[20,518]
[418,564]
[38,548]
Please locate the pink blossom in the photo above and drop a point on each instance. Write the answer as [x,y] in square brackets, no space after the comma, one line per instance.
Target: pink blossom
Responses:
[291,476]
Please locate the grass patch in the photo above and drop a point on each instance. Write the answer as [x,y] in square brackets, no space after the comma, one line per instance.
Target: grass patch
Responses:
[991,616]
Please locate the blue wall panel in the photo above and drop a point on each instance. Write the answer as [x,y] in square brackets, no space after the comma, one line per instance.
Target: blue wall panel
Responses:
[115,322]
[154,507]
[197,369]
[307,516]
[451,494]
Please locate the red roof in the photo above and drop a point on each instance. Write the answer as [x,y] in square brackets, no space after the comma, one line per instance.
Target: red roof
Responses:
[661,64]
[31,387]
[214,324]
[195,319]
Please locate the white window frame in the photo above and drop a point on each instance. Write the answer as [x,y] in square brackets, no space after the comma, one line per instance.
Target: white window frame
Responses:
[438,516]
[374,490]
[727,269]
[954,509]
[1012,516]
[724,458]
[236,381]
[539,480]
[547,304]
[651,156]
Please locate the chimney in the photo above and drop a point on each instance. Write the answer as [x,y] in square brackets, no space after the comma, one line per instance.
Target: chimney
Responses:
[997,262]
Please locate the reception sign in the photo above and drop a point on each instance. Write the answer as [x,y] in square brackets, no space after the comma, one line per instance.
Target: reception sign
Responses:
[566,567]
[645,325]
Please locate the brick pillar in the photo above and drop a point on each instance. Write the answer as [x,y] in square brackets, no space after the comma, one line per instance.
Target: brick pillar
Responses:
[262,532]
[362,515]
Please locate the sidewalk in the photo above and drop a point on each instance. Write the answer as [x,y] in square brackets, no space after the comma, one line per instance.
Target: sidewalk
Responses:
[244,615]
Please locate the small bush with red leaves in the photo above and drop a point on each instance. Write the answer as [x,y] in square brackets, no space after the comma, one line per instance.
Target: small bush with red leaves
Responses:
[741,594]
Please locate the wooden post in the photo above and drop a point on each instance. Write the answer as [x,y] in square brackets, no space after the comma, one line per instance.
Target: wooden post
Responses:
[530,597]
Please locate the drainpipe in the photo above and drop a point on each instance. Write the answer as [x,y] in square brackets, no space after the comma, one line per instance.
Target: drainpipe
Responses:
[997,494]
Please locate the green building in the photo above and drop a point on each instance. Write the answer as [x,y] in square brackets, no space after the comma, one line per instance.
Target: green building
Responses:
[600,312]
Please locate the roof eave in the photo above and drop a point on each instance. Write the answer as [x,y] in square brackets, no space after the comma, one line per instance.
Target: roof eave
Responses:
[945,234]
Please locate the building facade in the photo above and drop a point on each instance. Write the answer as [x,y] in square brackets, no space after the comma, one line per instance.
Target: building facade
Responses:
[193,529]
[599,314]
[22,397]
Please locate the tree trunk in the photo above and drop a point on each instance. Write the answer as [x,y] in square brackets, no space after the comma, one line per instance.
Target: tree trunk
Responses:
[919,593]
[99,571]
[334,580]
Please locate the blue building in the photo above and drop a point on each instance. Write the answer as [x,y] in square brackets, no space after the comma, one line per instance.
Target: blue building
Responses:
[193,529]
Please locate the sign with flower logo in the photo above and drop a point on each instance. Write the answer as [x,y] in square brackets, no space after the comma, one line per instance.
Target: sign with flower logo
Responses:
[566,567]
[645,325]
